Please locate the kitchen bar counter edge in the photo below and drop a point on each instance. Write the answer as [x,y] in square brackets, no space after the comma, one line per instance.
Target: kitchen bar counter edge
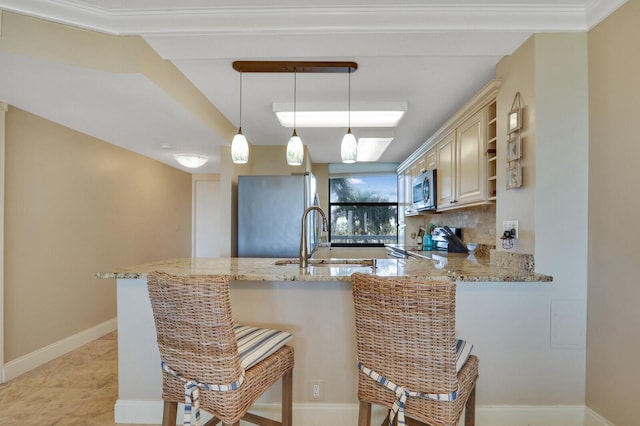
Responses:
[455,267]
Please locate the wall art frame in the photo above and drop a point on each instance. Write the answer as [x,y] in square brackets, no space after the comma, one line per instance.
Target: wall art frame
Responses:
[514,175]
[514,148]
[514,117]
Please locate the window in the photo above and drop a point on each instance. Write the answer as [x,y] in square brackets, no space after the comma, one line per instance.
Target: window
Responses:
[363,210]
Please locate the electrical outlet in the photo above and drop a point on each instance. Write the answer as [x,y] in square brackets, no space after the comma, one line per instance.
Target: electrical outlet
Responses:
[316,390]
[511,226]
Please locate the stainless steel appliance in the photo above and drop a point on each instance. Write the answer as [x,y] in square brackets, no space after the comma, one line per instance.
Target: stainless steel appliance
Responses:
[270,215]
[424,191]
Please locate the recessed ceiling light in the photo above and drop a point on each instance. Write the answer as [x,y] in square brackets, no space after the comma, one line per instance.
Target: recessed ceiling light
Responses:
[375,114]
[371,149]
[166,146]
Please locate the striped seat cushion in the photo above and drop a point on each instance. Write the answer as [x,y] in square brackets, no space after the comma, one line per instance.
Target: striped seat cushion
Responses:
[255,344]
[463,350]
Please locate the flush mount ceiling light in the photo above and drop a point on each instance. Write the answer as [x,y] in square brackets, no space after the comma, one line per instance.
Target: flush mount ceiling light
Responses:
[370,114]
[349,146]
[239,144]
[192,161]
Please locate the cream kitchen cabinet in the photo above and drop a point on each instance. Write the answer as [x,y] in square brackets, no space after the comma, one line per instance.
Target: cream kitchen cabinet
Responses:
[402,207]
[463,153]
[461,159]
[431,159]
[409,176]
[446,171]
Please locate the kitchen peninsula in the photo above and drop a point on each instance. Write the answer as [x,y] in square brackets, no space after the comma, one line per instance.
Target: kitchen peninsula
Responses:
[313,303]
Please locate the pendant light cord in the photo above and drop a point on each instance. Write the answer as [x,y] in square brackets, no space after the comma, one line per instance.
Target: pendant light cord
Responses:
[349,98]
[295,88]
[240,100]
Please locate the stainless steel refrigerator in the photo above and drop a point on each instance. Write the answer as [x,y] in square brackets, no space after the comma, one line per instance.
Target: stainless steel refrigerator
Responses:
[270,214]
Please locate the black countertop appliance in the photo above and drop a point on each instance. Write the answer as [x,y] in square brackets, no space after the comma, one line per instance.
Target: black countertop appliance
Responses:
[449,239]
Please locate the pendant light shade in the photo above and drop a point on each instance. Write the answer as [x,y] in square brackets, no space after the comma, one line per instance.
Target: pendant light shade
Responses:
[349,146]
[239,148]
[295,149]
[239,144]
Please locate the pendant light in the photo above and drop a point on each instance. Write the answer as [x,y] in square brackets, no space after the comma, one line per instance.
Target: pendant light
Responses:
[295,149]
[239,145]
[349,147]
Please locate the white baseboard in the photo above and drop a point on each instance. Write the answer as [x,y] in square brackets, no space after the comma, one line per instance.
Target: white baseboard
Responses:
[28,362]
[150,412]
[514,415]
[318,414]
[139,412]
[591,418]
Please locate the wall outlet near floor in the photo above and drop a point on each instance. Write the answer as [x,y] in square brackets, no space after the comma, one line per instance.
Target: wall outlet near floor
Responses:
[316,390]
[511,226]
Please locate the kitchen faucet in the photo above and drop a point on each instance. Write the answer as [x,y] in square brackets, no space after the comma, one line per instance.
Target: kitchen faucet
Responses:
[304,252]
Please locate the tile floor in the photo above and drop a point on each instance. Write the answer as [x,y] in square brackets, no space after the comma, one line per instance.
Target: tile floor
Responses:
[79,388]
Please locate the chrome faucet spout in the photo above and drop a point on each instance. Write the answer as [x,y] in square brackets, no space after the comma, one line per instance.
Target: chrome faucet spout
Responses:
[304,251]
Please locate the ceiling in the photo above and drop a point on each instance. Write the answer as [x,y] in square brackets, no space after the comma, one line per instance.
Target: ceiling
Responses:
[433,55]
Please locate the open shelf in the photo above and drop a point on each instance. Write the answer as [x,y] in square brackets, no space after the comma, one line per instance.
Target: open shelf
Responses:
[492,142]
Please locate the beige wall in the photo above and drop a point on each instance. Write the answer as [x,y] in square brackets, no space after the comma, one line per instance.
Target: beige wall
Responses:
[517,73]
[540,327]
[614,150]
[74,206]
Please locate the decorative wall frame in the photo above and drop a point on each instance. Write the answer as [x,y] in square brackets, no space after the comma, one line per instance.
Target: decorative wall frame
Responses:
[514,143]
[514,118]
[514,175]
[514,148]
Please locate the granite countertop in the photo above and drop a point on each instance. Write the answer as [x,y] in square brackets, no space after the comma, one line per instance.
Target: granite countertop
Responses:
[444,266]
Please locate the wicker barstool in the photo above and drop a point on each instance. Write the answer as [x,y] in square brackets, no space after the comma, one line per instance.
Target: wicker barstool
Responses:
[405,332]
[198,345]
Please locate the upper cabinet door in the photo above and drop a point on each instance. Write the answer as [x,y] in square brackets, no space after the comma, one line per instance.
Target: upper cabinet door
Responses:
[445,173]
[471,185]
[431,159]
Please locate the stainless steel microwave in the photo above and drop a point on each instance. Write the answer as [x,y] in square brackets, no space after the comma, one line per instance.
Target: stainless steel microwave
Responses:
[424,191]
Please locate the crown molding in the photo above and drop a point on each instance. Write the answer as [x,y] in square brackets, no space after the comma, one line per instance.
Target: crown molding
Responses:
[597,10]
[348,19]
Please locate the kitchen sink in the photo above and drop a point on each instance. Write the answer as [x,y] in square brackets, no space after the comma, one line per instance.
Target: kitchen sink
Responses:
[331,263]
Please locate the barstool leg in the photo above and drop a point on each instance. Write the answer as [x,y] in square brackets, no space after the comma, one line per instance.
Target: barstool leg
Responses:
[287,398]
[470,409]
[364,414]
[169,413]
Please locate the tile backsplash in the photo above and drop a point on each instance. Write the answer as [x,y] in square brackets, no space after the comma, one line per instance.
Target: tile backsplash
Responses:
[478,223]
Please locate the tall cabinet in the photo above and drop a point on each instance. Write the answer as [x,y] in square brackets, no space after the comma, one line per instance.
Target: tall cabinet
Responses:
[463,152]
[461,159]
[446,171]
